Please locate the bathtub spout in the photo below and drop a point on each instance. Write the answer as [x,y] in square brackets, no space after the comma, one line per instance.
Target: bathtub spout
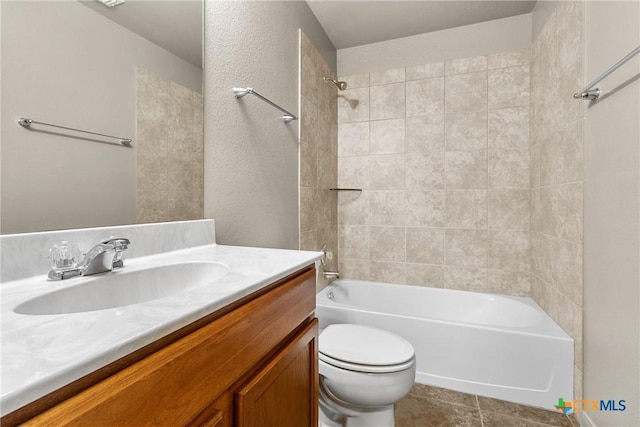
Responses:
[328,274]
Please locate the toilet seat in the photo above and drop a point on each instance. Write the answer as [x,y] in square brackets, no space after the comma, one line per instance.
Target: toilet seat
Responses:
[364,349]
[365,369]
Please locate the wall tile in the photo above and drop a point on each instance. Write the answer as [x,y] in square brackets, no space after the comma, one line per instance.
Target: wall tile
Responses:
[509,169]
[509,250]
[309,240]
[465,65]
[466,169]
[535,163]
[466,209]
[354,242]
[198,177]
[152,172]
[425,171]
[356,81]
[425,208]
[180,176]
[425,134]
[353,139]
[509,87]
[184,205]
[466,92]
[425,275]
[465,279]
[425,245]
[327,170]
[388,272]
[560,210]
[561,156]
[387,172]
[309,216]
[151,206]
[425,97]
[353,105]
[509,59]
[388,244]
[387,136]
[568,110]
[509,209]
[558,262]
[309,125]
[308,165]
[509,282]
[387,207]
[570,22]
[466,130]
[466,248]
[354,268]
[394,75]
[318,157]
[353,172]
[387,101]
[509,128]
[425,71]
[169,175]
[354,207]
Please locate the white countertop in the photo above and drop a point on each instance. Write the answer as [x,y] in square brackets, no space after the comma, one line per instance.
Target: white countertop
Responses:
[41,353]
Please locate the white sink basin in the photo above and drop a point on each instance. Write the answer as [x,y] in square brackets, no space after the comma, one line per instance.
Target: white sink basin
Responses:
[124,287]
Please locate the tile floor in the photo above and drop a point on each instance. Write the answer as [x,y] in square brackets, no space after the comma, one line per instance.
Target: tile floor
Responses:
[427,406]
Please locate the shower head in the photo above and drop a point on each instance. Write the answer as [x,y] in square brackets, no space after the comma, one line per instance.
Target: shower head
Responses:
[336,83]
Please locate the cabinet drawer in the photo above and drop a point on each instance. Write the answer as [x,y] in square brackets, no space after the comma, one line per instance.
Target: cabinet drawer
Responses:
[174,384]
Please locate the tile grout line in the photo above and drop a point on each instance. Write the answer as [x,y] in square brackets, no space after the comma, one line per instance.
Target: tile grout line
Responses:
[479,411]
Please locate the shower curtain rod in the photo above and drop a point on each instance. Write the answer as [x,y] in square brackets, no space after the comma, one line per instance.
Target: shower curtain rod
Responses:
[592,94]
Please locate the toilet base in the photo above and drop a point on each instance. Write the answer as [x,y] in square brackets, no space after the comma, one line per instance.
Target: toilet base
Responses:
[382,418]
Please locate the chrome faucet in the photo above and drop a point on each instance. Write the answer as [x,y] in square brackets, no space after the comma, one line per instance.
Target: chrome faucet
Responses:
[328,274]
[103,257]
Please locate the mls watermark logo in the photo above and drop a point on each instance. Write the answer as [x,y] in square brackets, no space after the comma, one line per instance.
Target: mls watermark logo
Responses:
[590,405]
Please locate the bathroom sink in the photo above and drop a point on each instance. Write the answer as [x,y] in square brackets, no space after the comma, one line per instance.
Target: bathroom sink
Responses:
[122,288]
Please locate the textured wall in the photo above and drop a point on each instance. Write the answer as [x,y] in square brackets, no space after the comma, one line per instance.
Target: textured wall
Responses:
[170,155]
[73,67]
[557,173]
[318,155]
[251,166]
[441,152]
[612,213]
[499,35]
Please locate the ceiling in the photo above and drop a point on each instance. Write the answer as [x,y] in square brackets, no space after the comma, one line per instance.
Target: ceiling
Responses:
[355,23]
[175,25]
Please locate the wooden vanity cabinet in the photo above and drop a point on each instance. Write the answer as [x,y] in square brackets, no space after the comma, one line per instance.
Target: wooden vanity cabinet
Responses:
[253,366]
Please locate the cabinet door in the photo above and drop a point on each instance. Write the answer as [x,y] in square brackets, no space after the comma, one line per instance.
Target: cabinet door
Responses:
[284,393]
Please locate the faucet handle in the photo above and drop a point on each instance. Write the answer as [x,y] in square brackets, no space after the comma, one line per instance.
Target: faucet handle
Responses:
[119,243]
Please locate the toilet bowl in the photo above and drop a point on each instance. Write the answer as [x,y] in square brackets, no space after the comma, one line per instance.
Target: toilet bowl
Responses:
[363,372]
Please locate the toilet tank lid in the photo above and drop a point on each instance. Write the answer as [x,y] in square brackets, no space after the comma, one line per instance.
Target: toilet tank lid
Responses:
[364,345]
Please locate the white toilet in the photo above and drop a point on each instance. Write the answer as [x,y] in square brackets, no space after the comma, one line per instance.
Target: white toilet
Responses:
[363,372]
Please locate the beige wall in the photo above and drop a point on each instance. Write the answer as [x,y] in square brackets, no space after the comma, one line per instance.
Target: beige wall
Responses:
[65,64]
[500,35]
[251,166]
[170,154]
[441,152]
[318,156]
[612,214]
[556,173]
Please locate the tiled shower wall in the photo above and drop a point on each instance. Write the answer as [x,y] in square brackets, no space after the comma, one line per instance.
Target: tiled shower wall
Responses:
[318,159]
[441,153]
[170,153]
[557,173]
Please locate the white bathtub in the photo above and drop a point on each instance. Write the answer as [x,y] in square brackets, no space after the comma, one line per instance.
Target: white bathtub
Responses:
[489,345]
